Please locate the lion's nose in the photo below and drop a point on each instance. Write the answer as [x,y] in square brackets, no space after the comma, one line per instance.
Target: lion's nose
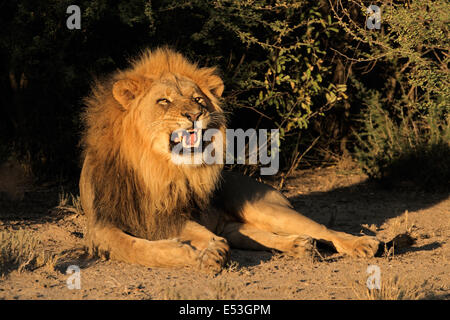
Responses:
[192,116]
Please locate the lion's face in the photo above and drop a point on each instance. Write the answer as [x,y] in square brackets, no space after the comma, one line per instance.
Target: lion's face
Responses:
[179,114]
[176,117]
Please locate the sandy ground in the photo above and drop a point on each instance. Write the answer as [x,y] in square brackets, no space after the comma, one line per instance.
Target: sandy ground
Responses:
[340,198]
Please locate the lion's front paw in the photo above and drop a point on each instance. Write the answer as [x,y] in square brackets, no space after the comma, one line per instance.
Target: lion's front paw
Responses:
[302,246]
[364,247]
[215,256]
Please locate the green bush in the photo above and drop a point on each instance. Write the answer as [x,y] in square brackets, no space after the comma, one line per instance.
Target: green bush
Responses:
[285,65]
[405,120]
[411,147]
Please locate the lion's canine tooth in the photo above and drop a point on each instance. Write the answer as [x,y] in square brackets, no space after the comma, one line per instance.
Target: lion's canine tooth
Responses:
[178,137]
[198,135]
[185,141]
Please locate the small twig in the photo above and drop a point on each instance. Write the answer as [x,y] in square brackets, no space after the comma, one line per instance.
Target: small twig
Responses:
[296,163]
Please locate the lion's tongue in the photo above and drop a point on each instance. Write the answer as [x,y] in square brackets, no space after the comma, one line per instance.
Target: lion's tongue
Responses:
[192,138]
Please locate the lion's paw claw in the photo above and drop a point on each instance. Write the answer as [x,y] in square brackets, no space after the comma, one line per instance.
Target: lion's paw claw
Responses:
[215,256]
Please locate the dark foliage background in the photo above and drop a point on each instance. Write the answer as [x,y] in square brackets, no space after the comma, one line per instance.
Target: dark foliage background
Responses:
[309,68]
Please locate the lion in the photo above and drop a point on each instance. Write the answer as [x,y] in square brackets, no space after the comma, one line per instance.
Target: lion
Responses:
[144,208]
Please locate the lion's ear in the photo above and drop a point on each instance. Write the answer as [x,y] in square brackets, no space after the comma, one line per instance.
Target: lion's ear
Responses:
[215,85]
[126,90]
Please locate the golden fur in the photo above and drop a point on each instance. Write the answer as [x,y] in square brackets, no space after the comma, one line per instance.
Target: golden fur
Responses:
[143,208]
[137,188]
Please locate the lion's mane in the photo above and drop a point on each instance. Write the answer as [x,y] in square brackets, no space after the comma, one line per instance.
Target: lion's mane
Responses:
[135,189]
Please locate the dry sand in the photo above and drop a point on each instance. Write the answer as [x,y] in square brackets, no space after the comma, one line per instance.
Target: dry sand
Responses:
[341,198]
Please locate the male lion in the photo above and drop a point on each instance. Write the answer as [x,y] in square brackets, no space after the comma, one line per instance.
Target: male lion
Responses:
[144,208]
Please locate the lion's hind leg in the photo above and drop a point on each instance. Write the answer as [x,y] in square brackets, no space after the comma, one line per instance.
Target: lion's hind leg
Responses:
[265,208]
[245,236]
[279,218]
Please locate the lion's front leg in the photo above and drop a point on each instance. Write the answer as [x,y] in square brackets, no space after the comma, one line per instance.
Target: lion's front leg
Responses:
[213,251]
[196,247]
[113,243]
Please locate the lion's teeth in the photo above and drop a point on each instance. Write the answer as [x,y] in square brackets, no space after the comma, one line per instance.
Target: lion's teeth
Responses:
[191,138]
[185,142]
[198,135]
[178,138]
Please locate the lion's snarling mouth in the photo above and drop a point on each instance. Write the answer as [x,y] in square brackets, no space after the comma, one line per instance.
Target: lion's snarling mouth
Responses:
[189,140]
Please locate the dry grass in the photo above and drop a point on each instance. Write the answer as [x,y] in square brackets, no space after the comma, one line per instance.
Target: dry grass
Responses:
[232,266]
[69,203]
[394,289]
[222,290]
[17,250]
[181,293]
[401,224]
[48,261]
[403,232]
[345,164]
[172,293]
[219,289]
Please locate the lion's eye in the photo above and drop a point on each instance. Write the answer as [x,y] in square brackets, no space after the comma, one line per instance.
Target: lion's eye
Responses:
[199,100]
[163,101]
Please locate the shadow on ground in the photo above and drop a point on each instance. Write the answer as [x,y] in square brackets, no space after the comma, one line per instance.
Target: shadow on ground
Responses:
[36,205]
[347,208]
